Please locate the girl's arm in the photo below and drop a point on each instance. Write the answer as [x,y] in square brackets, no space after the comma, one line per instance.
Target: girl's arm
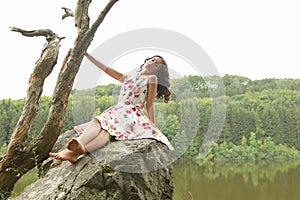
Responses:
[111,72]
[151,95]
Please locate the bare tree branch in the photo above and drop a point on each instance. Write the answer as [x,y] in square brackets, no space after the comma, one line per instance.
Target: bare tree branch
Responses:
[68,13]
[88,37]
[18,141]
[18,158]
[41,32]
[66,78]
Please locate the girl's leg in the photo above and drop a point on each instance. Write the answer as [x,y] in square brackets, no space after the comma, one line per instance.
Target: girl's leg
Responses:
[91,139]
[89,134]
[98,142]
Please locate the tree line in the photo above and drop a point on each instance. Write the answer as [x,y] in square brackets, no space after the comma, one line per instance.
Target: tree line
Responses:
[270,108]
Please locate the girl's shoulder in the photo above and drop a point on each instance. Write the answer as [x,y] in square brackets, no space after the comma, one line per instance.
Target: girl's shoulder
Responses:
[152,79]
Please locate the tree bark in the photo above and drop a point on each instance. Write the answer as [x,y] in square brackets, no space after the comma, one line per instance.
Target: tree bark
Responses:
[21,154]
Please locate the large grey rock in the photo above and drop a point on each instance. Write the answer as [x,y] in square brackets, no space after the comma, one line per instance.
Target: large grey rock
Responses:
[131,169]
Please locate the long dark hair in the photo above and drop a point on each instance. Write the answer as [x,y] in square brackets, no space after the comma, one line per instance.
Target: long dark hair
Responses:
[163,78]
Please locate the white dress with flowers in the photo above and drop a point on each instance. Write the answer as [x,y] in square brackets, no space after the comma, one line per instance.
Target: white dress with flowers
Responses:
[126,119]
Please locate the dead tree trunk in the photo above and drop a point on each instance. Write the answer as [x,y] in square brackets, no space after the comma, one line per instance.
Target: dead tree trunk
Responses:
[22,155]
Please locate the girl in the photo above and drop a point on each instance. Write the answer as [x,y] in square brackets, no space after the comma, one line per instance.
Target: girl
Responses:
[126,119]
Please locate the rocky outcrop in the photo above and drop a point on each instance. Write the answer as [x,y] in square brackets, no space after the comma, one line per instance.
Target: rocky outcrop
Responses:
[131,169]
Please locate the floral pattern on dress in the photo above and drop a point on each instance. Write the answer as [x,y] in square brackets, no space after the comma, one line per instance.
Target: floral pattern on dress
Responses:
[126,119]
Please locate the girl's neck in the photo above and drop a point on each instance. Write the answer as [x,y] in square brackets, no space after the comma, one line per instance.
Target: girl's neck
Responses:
[145,72]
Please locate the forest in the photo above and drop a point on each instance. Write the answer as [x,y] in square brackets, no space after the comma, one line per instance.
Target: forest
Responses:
[264,109]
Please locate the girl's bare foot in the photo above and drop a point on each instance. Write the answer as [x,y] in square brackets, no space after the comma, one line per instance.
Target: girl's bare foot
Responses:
[68,155]
[75,145]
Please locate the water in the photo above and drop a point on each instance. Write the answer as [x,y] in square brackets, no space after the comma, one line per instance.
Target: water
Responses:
[235,180]
[228,180]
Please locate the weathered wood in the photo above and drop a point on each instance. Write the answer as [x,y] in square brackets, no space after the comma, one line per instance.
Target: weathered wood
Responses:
[21,155]
[42,32]
[10,168]
[68,13]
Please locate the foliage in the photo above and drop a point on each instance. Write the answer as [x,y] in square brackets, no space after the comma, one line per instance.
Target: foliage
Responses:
[254,149]
[3,148]
[268,107]
[10,110]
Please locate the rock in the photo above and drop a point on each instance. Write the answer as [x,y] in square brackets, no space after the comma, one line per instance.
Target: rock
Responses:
[130,169]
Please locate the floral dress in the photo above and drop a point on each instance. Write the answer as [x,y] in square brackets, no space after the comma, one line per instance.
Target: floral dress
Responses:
[126,119]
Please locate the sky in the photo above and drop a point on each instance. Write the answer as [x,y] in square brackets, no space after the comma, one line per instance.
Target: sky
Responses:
[257,39]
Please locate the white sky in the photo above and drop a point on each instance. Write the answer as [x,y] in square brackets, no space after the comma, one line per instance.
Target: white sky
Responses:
[257,39]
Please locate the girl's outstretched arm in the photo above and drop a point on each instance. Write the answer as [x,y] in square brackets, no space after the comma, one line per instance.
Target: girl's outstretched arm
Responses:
[110,71]
[151,95]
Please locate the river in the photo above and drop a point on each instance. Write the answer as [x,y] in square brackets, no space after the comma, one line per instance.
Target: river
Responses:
[237,180]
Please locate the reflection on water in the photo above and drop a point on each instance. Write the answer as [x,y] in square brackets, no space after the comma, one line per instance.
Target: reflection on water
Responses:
[236,180]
